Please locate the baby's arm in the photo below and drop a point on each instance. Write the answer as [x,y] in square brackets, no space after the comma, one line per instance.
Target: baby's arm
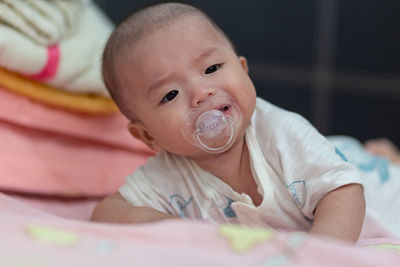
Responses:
[340,214]
[114,209]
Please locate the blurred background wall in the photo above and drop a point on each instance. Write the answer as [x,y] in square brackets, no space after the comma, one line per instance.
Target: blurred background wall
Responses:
[336,62]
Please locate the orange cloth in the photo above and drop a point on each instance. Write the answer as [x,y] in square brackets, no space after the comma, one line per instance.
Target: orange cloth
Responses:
[78,102]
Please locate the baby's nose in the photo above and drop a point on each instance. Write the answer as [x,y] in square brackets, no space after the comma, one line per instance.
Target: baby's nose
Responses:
[201,95]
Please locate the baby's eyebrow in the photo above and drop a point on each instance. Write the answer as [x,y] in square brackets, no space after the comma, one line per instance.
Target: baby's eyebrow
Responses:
[159,83]
[206,53]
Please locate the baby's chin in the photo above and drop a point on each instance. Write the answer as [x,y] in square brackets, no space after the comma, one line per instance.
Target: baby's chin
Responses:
[187,150]
[202,155]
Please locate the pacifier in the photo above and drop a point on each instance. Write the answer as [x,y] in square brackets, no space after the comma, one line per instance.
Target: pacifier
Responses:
[213,130]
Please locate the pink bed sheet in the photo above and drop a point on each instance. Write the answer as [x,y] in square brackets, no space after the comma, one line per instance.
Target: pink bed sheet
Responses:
[79,209]
[31,236]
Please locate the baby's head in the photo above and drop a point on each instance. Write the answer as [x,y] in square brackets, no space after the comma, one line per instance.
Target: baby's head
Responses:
[167,64]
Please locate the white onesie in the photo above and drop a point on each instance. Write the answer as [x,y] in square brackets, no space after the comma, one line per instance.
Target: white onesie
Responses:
[293,165]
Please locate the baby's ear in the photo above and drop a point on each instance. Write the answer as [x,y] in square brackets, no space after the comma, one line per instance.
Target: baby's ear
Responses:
[139,131]
[243,62]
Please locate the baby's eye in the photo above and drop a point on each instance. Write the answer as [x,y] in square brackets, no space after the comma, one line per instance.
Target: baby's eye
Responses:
[168,97]
[212,68]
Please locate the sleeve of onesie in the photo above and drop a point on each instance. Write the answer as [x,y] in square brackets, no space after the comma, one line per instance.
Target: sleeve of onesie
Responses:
[309,164]
[139,189]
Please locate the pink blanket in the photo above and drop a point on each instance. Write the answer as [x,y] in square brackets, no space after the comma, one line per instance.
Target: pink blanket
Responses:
[50,151]
[32,237]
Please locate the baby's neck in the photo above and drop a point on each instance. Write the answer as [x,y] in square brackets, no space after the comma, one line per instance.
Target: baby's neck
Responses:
[232,167]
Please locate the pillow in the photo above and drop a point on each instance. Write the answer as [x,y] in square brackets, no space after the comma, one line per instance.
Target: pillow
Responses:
[46,150]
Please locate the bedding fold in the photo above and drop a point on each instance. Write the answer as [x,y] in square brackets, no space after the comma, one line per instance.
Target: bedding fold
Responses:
[51,151]
[56,42]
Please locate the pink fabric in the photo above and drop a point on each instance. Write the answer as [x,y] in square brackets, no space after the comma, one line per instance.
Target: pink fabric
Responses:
[30,237]
[50,69]
[51,151]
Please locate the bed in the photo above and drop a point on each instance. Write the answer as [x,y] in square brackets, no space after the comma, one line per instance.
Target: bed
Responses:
[54,232]
[53,175]
[63,149]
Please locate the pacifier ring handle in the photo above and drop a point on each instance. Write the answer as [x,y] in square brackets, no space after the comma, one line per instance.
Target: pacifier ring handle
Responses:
[214,150]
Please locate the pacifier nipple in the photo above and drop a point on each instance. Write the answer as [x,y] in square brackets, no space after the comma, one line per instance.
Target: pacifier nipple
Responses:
[214,131]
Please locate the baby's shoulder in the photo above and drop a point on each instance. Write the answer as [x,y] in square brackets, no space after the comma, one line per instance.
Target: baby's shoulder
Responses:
[163,166]
[269,117]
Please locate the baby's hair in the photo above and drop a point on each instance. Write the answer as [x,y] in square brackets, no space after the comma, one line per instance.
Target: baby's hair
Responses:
[132,29]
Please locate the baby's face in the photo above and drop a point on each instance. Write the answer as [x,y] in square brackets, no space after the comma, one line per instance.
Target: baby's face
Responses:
[180,70]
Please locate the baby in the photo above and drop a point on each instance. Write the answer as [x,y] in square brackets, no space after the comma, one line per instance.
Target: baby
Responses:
[224,155]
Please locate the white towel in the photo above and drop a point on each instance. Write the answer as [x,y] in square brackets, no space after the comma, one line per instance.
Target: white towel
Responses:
[76,30]
[44,22]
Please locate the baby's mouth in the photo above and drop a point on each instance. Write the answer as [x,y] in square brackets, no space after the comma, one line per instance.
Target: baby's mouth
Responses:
[224,109]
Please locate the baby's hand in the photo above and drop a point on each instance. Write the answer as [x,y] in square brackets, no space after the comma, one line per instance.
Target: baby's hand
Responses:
[383,147]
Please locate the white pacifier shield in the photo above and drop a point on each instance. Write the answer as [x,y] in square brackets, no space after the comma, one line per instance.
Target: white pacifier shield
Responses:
[212,126]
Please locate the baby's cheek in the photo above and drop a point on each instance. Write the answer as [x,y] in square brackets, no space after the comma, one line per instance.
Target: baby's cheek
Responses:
[176,141]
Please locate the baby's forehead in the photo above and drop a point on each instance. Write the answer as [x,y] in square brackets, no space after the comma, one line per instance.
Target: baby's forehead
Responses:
[155,36]
[187,22]
[141,53]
